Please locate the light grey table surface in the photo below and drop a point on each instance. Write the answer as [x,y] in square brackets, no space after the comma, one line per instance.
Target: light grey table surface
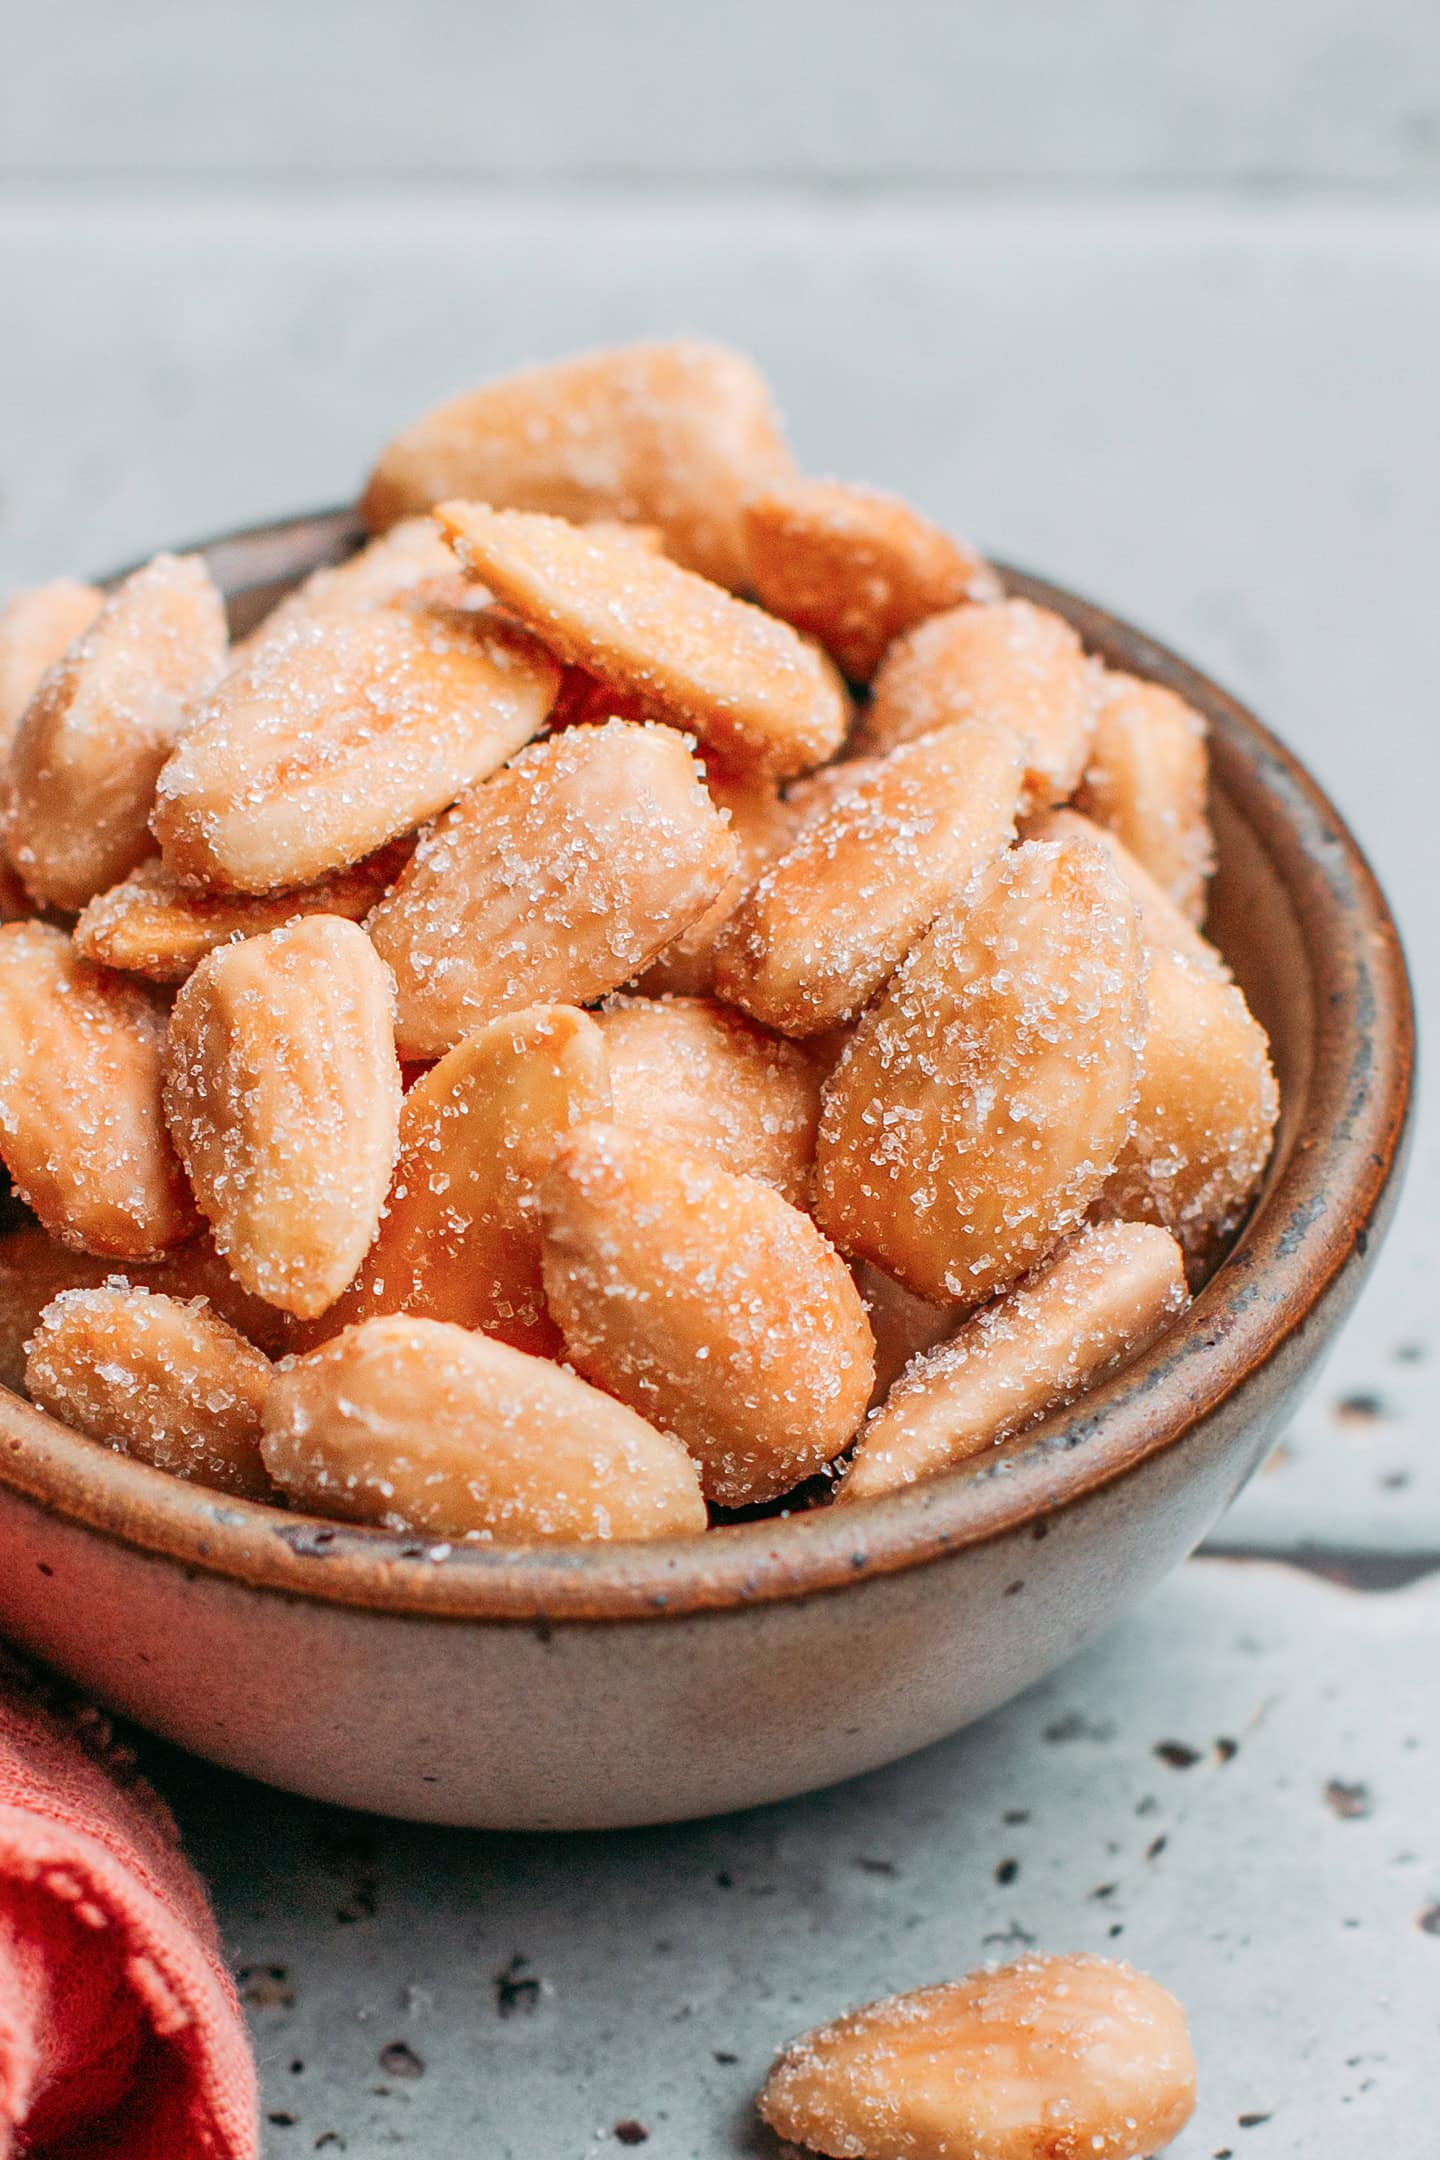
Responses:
[1146,299]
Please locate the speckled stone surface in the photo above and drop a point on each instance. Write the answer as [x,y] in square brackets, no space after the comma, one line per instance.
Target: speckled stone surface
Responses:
[1222,1792]
[1149,302]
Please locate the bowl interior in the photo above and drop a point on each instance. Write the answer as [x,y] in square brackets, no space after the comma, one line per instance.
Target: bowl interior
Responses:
[1301,920]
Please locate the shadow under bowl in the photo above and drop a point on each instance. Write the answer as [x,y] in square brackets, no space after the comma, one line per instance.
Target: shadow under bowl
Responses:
[602,1685]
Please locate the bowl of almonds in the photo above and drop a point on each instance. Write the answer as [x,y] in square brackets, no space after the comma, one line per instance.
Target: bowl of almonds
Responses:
[664,1133]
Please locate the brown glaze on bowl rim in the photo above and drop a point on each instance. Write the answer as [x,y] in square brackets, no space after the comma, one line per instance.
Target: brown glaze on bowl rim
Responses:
[1306,1244]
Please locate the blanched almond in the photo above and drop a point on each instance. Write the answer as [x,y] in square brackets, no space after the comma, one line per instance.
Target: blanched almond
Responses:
[855,568]
[763,825]
[557,880]
[1011,662]
[1096,1302]
[748,685]
[983,1102]
[1148,781]
[410,555]
[701,1077]
[282,1093]
[342,735]
[830,921]
[1205,1114]
[34,1268]
[420,1425]
[1161,922]
[152,925]
[1052,2058]
[460,1238]
[81,1131]
[166,1382]
[903,1325]
[88,748]
[673,435]
[709,1304]
[37,627]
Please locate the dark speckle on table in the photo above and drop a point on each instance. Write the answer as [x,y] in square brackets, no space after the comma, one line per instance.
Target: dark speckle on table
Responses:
[1351,1802]
[1362,1408]
[397,2059]
[1176,1755]
[516,1988]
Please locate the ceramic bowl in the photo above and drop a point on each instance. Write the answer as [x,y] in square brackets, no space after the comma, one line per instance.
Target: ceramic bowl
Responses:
[612,1684]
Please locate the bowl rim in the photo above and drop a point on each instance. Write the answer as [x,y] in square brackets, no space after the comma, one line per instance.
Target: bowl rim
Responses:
[1308,1240]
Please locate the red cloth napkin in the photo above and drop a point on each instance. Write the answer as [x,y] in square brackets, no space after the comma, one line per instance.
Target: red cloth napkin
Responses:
[120,2034]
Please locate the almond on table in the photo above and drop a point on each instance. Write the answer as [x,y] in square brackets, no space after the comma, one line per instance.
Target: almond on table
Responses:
[709,1304]
[1010,661]
[855,568]
[829,922]
[344,734]
[1099,1300]
[749,686]
[282,1093]
[984,1100]
[1051,2058]
[88,748]
[167,1382]
[37,627]
[421,1425]
[556,881]
[153,925]
[460,1237]
[81,1129]
[674,435]
[700,1076]
[1147,781]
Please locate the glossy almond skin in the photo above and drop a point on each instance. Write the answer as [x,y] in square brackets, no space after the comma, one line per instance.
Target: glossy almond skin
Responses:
[81,1130]
[829,922]
[460,1237]
[1206,1110]
[282,1093]
[701,1077]
[88,748]
[1148,782]
[750,687]
[1052,2058]
[984,1100]
[1011,662]
[151,924]
[709,1304]
[343,734]
[423,1426]
[674,435]
[763,826]
[37,626]
[554,882]
[1094,1304]
[855,568]
[166,1382]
